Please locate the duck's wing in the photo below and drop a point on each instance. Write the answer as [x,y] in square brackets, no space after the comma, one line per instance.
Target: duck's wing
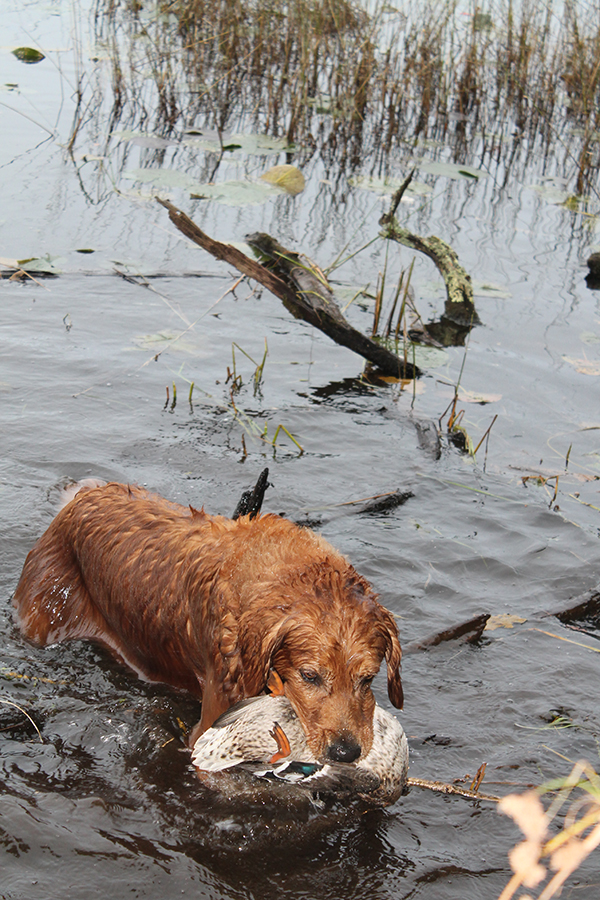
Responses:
[249,707]
[260,729]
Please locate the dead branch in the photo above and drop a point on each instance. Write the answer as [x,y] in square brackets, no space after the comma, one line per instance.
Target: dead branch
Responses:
[445,788]
[471,630]
[301,287]
[459,306]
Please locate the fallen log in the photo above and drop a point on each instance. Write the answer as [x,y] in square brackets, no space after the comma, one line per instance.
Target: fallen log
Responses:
[583,614]
[301,287]
[459,307]
[471,630]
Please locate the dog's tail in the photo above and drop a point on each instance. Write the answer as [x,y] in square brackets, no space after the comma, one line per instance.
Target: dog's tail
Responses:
[71,490]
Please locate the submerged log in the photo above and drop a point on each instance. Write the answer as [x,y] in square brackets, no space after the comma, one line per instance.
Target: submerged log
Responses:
[471,630]
[301,287]
[583,614]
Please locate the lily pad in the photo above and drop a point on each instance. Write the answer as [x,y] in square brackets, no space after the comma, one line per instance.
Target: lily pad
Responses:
[208,146]
[161,177]
[28,55]
[551,192]
[287,177]
[237,193]
[452,170]
[426,357]
[152,141]
[349,293]
[389,185]
[256,144]
[261,143]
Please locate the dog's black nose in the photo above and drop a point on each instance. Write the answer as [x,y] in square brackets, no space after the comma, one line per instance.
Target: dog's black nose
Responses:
[344,749]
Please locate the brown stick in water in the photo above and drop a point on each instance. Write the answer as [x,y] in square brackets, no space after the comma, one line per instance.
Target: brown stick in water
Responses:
[304,293]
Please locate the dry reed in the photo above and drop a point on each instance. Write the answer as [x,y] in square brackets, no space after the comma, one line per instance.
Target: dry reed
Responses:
[507,78]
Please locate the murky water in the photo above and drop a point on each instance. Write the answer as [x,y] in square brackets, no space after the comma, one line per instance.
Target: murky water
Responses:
[106,803]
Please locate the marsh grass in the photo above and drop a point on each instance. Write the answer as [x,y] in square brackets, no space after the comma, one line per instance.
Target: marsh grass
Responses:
[503,80]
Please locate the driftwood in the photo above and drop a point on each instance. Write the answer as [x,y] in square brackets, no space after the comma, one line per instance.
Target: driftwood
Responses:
[459,307]
[582,615]
[385,503]
[471,630]
[250,502]
[301,287]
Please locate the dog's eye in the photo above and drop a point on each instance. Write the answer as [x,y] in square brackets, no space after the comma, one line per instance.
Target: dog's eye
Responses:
[365,683]
[310,677]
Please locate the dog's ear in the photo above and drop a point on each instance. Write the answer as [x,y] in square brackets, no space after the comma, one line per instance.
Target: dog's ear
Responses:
[393,657]
[260,639]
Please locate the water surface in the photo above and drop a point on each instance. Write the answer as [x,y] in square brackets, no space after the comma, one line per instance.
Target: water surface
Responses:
[107,802]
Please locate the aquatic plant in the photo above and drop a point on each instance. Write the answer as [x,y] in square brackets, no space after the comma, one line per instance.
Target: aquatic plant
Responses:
[507,81]
[565,850]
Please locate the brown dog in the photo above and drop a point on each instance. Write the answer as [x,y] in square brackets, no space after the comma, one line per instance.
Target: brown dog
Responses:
[216,606]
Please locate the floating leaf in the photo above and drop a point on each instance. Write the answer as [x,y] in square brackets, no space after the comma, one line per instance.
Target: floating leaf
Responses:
[261,143]
[584,366]
[487,289]
[142,139]
[244,248]
[551,192]
[347,294]
[452,170]
[590,337]
[207,145]
[125,135]
[425,357]
[287,177]
[151,141]
[28,55]
[257,144]
[161,177]
[43,265]
[504,620]
[84,250]
[389,185]
[237,193]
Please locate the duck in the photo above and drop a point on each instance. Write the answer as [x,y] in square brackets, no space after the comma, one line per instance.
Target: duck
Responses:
[262,737]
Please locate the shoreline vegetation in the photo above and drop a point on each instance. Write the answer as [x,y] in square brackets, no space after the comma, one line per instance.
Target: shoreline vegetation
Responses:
[503,82]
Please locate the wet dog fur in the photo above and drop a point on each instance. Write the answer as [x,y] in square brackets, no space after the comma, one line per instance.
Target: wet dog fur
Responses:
[215,606]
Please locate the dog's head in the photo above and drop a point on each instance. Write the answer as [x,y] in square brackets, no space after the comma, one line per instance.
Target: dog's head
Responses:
[326,639]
